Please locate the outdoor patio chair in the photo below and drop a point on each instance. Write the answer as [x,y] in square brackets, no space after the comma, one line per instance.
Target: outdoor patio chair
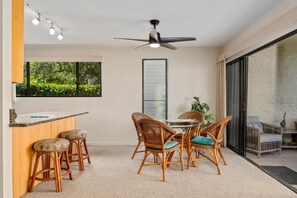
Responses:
[262,137]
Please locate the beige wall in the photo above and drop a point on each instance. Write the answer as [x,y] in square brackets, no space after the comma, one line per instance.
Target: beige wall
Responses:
[191,72]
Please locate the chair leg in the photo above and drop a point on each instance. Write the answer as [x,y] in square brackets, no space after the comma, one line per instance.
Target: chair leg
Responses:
[170,158]
[222,156]
[87,152]
[181,158]
[34,172]
[215,156]
[164,167]
[259,154]
[144,158]
[57,170]
[139,142]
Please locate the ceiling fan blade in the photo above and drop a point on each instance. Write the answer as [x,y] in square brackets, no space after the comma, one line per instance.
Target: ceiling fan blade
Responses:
[142,46]
[176,39]
[167,45]
[130,39]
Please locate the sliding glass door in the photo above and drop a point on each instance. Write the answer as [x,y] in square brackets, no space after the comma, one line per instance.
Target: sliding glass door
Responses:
[236,104]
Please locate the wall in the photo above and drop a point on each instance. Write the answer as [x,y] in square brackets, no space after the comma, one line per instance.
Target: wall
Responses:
[5,100]
[286,86]
[191,72]
[262,85]
[272,83]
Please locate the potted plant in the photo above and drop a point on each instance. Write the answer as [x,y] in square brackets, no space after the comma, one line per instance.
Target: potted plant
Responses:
[203,108]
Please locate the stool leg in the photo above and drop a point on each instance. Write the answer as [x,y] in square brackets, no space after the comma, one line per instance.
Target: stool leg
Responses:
[33,177]
[46,163]
[87,152]
[70,149]
[68,164]
[57,169]
[80,156]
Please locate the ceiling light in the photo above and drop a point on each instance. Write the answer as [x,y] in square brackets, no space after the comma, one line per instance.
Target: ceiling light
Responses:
[53,25]
[52,30]
[60,36]
[154,45]
[36,21]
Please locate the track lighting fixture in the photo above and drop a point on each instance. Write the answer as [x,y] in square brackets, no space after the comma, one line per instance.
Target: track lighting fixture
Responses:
[60,36]
[36,21]
[52,30]
[53,26]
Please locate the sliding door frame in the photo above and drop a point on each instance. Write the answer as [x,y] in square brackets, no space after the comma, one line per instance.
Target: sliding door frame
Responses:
[243,83]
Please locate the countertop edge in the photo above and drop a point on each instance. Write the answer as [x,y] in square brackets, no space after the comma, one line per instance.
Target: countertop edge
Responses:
[47,120]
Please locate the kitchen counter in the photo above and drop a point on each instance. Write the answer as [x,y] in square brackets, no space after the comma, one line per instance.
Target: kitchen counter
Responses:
[27,129]
[25,120]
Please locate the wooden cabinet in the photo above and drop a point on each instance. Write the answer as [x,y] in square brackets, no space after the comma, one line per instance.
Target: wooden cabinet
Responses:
[17,40]
[22,154]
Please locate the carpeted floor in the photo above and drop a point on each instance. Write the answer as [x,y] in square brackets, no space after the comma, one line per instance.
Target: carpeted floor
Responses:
[113,174]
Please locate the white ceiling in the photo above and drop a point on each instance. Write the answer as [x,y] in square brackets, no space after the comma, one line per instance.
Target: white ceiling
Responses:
[212,22]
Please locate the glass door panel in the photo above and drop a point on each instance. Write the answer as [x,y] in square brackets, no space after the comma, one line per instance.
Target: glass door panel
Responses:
[236,104]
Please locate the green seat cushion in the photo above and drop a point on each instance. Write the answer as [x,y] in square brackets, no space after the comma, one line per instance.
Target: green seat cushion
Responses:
[203,140]
[171,144]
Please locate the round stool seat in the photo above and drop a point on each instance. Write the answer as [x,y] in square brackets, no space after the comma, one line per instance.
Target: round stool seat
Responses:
[51,145]
[74,134]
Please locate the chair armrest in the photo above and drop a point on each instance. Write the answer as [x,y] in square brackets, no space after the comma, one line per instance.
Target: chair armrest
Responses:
[269,128]
[178,133]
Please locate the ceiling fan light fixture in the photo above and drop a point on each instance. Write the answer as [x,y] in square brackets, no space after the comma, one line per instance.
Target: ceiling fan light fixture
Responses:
[154,45]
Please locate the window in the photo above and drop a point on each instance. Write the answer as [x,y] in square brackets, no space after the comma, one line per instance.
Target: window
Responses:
[154,83]
[61,79]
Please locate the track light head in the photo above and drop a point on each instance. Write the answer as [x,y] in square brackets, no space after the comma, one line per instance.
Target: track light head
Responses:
[52,30]
[36,21]
[60,36]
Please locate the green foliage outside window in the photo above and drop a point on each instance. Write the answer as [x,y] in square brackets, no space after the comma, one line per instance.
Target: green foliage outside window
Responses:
[60,79]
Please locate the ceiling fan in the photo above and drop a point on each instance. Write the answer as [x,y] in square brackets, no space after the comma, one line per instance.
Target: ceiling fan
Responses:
[155,40]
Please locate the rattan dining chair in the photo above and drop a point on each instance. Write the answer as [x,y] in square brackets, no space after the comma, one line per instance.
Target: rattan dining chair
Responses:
[157,138]
[192,115]
[211,143]
[136,116]
[195,115]
[198,116]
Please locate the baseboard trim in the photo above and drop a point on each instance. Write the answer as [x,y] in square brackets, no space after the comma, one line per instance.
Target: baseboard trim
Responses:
[111,143]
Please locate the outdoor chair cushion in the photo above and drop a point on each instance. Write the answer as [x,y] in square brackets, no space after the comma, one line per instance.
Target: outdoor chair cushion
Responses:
[268,137]
[254,121]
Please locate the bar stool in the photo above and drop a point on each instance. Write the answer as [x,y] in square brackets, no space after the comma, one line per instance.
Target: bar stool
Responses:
[77,137]
[57,150]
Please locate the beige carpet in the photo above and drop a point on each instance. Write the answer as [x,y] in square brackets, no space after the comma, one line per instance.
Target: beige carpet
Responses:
[113,174]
